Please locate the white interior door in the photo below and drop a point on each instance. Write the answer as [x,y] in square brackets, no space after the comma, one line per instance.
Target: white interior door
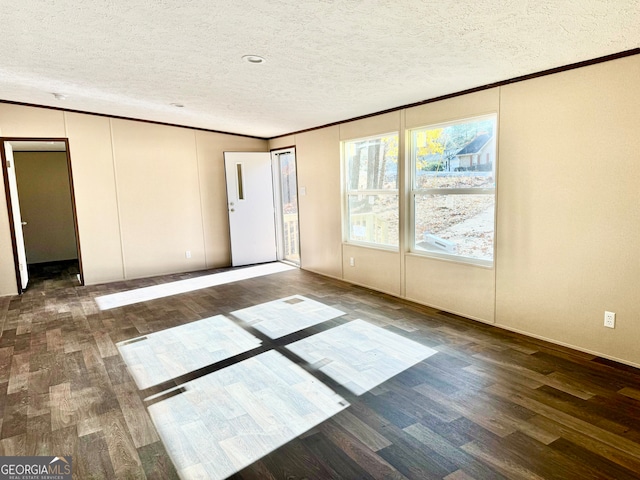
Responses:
[17,219]
[251,211]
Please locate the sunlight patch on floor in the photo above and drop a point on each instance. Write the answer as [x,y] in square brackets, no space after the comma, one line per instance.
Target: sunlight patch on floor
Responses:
[286,315]
[221,422]
[162,356]
[360,356]
[154,292]
[227,420]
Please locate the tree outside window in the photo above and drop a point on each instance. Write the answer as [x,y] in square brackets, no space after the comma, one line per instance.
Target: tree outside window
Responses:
[453,189]
[371,167]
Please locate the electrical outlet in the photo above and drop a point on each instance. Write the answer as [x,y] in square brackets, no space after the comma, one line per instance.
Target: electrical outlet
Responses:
[352,262]
[187,254]
[610,319]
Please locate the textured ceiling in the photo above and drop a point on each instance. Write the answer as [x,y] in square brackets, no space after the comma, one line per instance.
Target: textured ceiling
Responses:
[327,60]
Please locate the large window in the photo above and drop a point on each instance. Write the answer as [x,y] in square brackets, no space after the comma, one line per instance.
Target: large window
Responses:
[453,189]
[371,185]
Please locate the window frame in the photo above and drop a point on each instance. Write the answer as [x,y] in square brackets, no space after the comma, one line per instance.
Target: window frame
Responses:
[414,191]
[347,193]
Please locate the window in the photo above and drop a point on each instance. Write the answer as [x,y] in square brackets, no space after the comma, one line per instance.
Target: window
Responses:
[371,185]
[453,189]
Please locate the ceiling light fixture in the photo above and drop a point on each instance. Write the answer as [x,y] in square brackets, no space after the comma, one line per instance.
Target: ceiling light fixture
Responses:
[177,105]
[255,59]
[59,96]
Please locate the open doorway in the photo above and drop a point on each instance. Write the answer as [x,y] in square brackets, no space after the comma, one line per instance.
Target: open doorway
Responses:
[286,199]
[41,204]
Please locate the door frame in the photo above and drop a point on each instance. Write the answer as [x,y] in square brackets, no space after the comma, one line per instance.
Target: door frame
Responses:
[9,204]
[277,193]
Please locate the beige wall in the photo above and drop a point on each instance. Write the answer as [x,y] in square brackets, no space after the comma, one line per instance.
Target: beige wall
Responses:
[568,197]
[145,193]
[432,282]
[19,121]
[282,142]
[45,204]
[158,197]
[94,184]
[567,232]
[318,164]
[569,208]
[8,285]
[377,269]
[374,268]
[213,190]
[460,288]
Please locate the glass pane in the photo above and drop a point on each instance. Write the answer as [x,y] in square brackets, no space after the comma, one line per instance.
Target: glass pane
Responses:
[240,181]
[374,219]
[461,155]
[289,196]
[372,164]
[455,224]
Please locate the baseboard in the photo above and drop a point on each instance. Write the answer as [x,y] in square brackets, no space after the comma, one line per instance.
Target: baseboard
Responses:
[492,323]
[568,345]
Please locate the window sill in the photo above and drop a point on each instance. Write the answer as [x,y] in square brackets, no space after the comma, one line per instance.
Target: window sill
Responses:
[485,264]
[372,246]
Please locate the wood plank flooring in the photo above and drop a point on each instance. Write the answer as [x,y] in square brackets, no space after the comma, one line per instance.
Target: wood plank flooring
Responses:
[488,404]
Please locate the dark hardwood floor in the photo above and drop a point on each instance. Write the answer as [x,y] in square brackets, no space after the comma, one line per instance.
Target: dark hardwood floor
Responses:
[488,404]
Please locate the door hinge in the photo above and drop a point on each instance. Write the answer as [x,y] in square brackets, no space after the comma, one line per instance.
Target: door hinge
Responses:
[8,163]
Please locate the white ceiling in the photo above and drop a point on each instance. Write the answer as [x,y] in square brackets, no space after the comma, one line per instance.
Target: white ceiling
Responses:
[327,60]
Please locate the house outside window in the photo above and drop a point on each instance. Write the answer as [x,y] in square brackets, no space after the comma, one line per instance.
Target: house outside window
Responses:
[371,186]
[453,189]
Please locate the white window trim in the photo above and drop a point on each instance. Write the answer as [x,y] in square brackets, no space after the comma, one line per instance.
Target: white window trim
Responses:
[413,192]
[346,193]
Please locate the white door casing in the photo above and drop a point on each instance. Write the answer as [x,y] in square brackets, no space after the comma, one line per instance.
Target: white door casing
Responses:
[251,210]
[15,215]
